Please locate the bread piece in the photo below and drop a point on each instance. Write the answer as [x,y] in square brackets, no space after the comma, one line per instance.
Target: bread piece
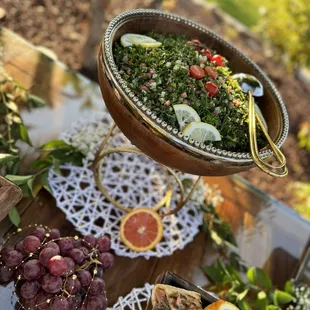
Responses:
[221,305]
[166,297]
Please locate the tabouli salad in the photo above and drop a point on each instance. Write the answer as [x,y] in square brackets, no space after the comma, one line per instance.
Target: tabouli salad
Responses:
[189,86]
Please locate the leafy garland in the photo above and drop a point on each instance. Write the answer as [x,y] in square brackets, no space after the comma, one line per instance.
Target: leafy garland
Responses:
[248,288]
[13,131]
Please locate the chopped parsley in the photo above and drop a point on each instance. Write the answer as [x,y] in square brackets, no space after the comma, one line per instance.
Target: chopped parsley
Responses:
[160,78]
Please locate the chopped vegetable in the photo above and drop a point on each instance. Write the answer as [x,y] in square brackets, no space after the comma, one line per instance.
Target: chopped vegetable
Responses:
[182,71]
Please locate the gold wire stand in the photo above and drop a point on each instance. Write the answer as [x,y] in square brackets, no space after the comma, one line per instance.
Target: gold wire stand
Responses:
[99,159]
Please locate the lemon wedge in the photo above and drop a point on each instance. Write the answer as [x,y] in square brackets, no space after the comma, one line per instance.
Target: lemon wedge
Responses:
[130,39]
[201,132]
[185,115]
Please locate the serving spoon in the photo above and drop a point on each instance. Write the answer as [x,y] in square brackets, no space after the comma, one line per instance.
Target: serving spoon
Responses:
[253,87]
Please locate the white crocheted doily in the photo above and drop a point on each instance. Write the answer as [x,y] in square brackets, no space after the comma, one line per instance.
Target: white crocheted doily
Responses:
[133,180]
[136,300]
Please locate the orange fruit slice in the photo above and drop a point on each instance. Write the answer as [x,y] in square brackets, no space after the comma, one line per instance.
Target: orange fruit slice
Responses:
[141,229]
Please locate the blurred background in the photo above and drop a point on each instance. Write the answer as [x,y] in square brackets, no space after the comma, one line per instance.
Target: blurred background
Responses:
[275,34]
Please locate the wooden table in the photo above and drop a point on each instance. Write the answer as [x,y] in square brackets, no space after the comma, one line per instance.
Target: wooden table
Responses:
[269,234]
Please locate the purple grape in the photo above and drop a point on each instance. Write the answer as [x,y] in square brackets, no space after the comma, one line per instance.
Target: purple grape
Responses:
[73,285]
[71,265]
[41,300]
[104,244]
[54,246]
[28,303]
[84,250]
[100,272]
[20,247]
[33,270]
[29,289]
[96,303]
[46,254]
[84,277]
[57,265]
[6,250]
[5,274]
[65,245]
[59,303]
[106,259]
[96,286]
[38,232]
[77,255]
[77,243]
[55,233]
[90,241]
[51,284]
[13,258]
[74,301]
[31,244]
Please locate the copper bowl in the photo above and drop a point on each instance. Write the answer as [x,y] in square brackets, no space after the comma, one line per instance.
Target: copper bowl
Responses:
[151,134]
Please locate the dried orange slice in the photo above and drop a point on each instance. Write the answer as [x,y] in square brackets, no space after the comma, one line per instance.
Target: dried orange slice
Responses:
[141,229]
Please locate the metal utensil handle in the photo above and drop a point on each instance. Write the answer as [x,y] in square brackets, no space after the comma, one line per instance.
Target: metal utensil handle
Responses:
[277,171]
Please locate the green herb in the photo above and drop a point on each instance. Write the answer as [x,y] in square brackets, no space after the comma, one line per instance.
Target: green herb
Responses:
[248,288]
[54,153]
[160,78]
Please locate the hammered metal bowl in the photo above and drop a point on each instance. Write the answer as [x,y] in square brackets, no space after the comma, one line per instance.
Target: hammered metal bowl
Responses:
[152,135]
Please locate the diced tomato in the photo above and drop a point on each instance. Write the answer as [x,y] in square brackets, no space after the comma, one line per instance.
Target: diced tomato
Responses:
[218,60]
[207,53]
[211,88]
[211,72]
[196,72]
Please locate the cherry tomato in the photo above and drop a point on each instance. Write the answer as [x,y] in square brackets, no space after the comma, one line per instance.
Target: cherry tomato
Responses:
[211,72]
[207,53]
[211,88]
[218,59]
[196,72]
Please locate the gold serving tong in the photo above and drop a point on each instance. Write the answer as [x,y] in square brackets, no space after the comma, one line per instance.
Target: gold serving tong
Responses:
[253,87]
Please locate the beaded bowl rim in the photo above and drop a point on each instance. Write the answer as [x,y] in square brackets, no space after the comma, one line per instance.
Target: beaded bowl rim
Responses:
[158,124]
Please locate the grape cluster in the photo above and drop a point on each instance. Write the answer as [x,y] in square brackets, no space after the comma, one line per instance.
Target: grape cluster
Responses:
[57,273]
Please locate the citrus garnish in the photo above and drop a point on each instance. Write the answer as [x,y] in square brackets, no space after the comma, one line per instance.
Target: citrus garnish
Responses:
[221,305]
[130,39]
[185,115]
[201,132]
[141,230]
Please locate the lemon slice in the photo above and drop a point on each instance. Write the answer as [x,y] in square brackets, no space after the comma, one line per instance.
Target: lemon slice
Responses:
[259,112]
[130,39]
[185,115]
[202,132]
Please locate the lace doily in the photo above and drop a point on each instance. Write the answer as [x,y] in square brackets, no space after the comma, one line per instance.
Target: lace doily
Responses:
[133,180]
[135,300]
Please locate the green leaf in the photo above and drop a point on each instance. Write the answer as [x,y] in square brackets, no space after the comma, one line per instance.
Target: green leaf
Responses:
[258,277]
[215,274]
[55,145]
[30,186]
[36,102]
[12,106]
[288,288]
[44,181]
[5,158]
[56,164]
[261,302]
[24,134]
[243,305]
[281,297]
[18,179]
[272,307]
[242,295]
[14,216]
[16,119]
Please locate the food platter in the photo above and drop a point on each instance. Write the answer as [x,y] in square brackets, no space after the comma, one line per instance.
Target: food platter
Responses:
[153,136]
